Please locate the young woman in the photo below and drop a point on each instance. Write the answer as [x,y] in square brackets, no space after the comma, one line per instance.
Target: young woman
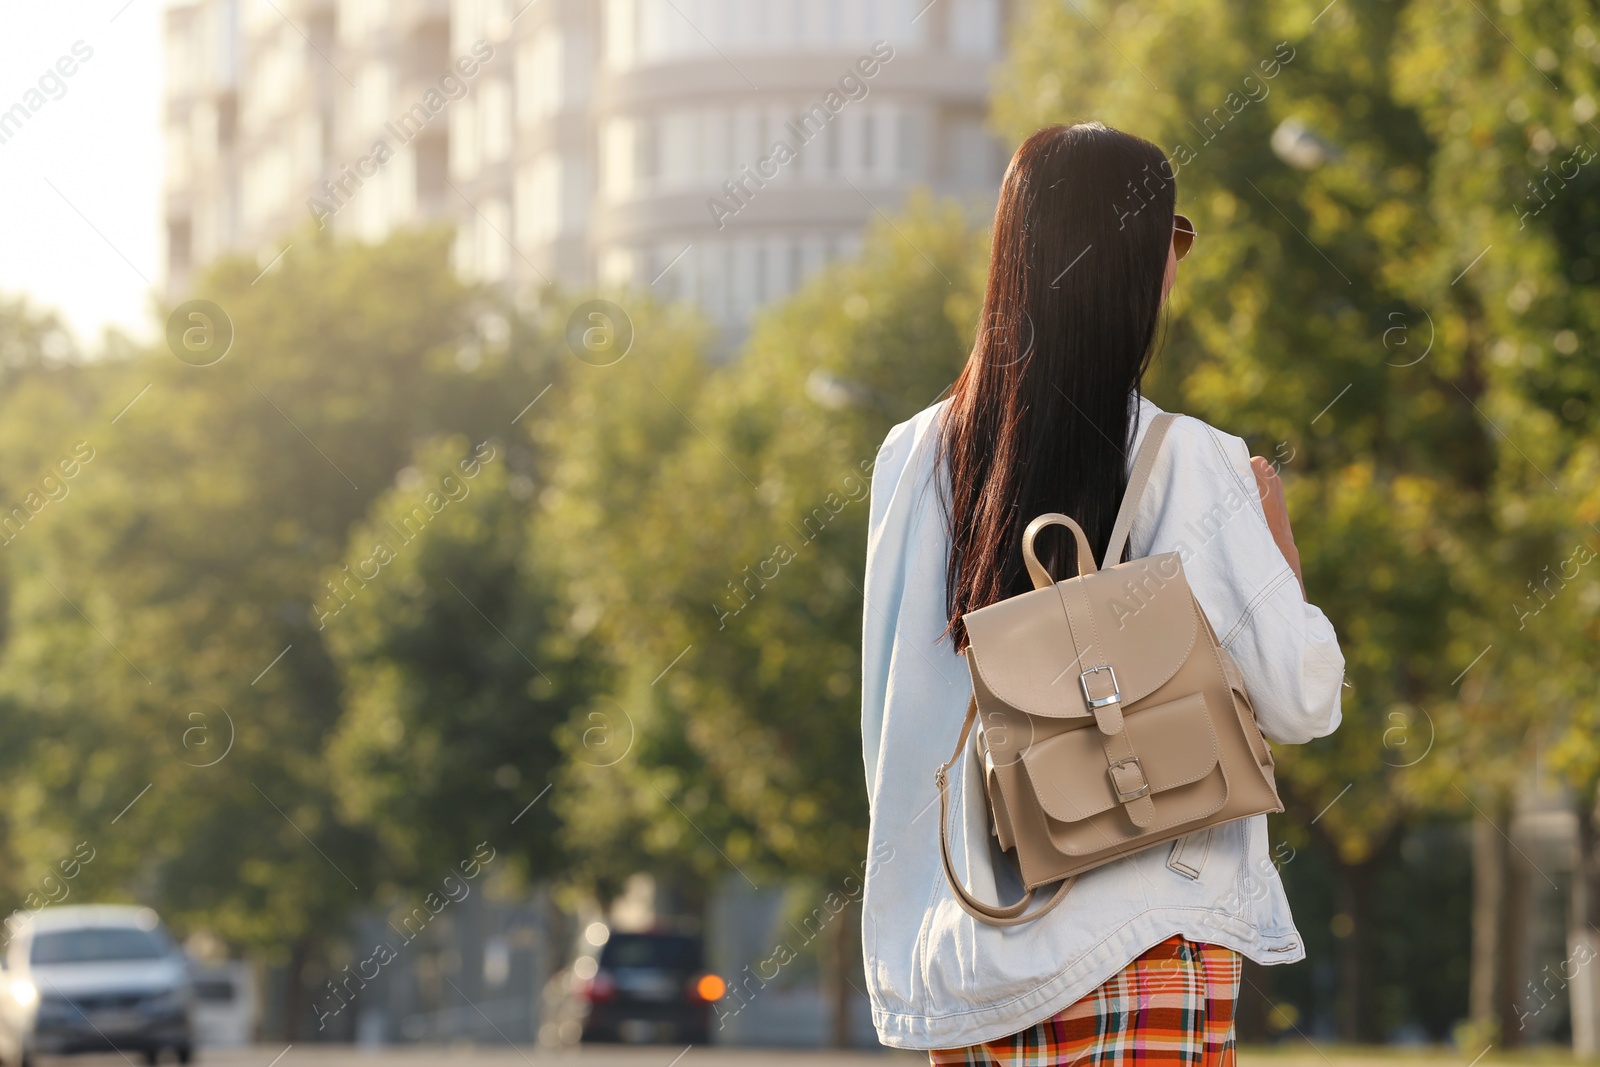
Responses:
[1141,962]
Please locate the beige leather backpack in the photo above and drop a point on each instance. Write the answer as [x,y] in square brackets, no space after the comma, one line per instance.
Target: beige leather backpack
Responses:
[1113,719]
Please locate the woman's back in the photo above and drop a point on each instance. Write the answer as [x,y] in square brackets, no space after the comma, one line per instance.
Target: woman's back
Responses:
[936,977]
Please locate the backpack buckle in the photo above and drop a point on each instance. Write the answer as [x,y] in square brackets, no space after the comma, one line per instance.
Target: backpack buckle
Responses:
[1096,703]
[1125,796]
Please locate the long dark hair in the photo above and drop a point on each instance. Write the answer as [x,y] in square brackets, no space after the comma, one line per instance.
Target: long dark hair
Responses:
[1039,419]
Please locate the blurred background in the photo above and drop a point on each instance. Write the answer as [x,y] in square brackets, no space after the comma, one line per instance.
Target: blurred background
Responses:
[434,449]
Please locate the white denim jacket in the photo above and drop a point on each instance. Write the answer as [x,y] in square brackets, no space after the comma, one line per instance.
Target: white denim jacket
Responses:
[937,977]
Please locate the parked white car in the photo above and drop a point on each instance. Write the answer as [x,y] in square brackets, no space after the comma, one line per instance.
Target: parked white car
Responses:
[92,978]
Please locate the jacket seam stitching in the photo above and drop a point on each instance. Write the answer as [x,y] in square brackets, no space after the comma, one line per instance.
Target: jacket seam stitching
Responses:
[1259,510]
[1255,603]
[1215,437]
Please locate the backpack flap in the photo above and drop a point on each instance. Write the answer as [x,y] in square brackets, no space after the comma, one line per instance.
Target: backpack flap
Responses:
[1031,650]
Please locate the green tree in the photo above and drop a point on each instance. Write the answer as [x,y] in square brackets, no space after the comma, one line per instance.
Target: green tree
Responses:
[457,665]
[44,393]
[1509,95]
[171,690]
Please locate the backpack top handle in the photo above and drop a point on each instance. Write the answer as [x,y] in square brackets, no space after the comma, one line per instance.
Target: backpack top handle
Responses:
[1041,577]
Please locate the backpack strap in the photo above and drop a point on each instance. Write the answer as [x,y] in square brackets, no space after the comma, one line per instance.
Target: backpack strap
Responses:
[1143,464]
[989,914]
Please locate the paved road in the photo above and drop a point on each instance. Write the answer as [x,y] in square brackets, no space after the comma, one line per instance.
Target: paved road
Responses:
[1300,1055]
[415,1056]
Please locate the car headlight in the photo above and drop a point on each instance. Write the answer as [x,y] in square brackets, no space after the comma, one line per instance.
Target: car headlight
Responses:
[24,992]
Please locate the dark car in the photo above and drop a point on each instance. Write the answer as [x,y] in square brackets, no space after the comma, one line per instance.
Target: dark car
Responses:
[647,988]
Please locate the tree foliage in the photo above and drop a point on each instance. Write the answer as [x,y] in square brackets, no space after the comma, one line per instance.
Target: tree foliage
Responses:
[727,582]
[172,695]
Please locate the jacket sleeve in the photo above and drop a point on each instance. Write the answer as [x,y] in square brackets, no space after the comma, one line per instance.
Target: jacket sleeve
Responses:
[1203,503]
[883,589]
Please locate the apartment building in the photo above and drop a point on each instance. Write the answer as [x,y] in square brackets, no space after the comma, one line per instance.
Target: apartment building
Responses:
[715,151]
[200,121]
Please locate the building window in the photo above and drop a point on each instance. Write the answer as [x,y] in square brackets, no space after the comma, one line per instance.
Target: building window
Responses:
[541,76]
[480,20]
[712,280]
[680,149]
[205,135]
[577,179]
[461,253]
[400,182]
[267,181]
[653,31]
[178,155]
[362,18]
[494,111]
[911,145]
[308,151]
[975,27]
[716,155]
[538,200]
[372,209]
[669,284]
[179,257]
[465,152]
[972,155]
[621,33]
[372,99]
[494,249]
[745,287]
[432,155]
[657,21]
[887,129]
[619,157]
[779,283]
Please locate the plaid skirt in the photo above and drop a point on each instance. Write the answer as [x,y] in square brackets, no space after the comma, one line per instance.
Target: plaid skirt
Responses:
[1172,1005]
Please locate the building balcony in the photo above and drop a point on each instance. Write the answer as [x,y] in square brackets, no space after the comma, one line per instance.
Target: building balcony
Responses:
[925,75]
[827,204]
